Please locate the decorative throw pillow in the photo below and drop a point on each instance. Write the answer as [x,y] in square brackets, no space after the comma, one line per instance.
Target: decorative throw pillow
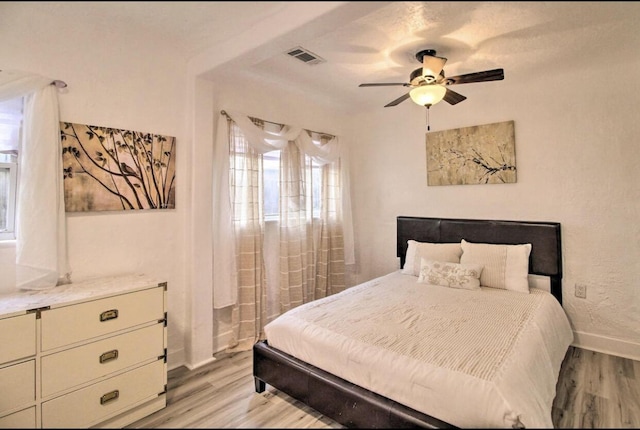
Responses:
[454,275]
[431,251]
[505,266]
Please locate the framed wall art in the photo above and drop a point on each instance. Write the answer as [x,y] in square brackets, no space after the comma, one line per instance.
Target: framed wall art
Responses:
[110,169]
[481,154]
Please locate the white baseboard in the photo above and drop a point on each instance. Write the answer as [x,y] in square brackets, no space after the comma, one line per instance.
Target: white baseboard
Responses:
[177,360]
[607,345]
[202,363]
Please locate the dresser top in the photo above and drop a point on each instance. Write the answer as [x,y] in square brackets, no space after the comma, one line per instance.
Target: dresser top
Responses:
[21,301]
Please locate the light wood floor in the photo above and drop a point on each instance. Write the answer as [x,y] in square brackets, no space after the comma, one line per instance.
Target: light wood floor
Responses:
[594,390]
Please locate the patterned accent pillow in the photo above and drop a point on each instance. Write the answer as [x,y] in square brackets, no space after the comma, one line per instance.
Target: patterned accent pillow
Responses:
[450,252]
[453,275]
[505,266]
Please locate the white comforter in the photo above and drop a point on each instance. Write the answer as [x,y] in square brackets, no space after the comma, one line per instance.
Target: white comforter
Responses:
[487,358]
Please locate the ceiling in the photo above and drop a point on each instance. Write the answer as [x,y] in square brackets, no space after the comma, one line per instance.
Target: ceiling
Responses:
[377,41]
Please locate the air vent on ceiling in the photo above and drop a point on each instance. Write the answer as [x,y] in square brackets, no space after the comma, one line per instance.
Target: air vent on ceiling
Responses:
[305,56]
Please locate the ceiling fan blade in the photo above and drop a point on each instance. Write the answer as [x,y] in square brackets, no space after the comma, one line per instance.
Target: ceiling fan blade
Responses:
[452,97]
[389,84]
[398,100]
[487,75]
[432,66]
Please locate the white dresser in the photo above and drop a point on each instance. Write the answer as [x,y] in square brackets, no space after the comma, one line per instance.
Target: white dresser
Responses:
[87,354]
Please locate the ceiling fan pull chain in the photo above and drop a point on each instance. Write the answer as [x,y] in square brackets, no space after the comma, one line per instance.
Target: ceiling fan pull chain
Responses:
[428,127]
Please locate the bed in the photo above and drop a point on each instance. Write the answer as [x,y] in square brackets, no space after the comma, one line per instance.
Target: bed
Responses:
[412,353]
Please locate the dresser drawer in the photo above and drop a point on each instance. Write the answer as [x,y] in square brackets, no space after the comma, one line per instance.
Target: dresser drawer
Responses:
[25,419]
[17,385]
[76,323]
[20,333]
[91,405]
[76,366]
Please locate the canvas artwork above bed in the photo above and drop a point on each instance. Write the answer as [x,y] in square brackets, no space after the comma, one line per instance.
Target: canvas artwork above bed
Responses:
[480,154]
[456,337]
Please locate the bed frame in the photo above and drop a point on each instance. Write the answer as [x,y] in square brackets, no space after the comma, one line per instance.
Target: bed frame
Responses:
[354,406]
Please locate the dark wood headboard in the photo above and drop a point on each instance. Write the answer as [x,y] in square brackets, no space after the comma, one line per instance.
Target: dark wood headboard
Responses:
[546,250]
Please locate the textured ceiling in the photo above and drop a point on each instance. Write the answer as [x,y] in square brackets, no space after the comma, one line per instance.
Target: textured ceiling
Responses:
[190,25]
[379,44]
[377,41]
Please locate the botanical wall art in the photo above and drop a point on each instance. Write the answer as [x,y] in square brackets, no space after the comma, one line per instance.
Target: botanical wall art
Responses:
[108,169]
[481,154]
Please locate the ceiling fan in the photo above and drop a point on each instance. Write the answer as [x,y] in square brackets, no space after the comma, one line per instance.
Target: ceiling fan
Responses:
[428,83]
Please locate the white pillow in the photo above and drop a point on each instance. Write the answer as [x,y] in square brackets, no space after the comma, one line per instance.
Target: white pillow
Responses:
[505,266]
[449,252]
[453,275]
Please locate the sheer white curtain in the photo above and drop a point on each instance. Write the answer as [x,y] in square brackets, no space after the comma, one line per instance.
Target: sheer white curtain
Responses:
[295,222]
[331,258]
[249,312]
[239,224]
[41,248]
[312,257]
[260,141]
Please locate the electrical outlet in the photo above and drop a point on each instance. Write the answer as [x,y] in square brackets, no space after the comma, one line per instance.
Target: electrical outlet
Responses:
[581,291]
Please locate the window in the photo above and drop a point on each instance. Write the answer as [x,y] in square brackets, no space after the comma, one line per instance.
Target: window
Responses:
[8,182]
[269,170]
[271,180]
[10,124]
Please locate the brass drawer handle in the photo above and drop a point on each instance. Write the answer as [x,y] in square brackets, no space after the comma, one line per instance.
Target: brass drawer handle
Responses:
[109,315]
[113,395]
[108,356]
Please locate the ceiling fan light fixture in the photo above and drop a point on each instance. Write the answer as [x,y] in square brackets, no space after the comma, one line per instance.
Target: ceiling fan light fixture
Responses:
[427,95]
[429,85]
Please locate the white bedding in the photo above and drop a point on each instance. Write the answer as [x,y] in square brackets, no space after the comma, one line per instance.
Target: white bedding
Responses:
[486,358]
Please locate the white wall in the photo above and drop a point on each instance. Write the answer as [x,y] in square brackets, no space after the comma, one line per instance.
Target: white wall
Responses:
[119,77]
[577,157]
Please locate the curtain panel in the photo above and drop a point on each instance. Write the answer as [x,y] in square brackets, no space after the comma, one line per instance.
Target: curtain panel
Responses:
[248,315]
[297,250]
[41,247]
[313,247]
[331,259]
